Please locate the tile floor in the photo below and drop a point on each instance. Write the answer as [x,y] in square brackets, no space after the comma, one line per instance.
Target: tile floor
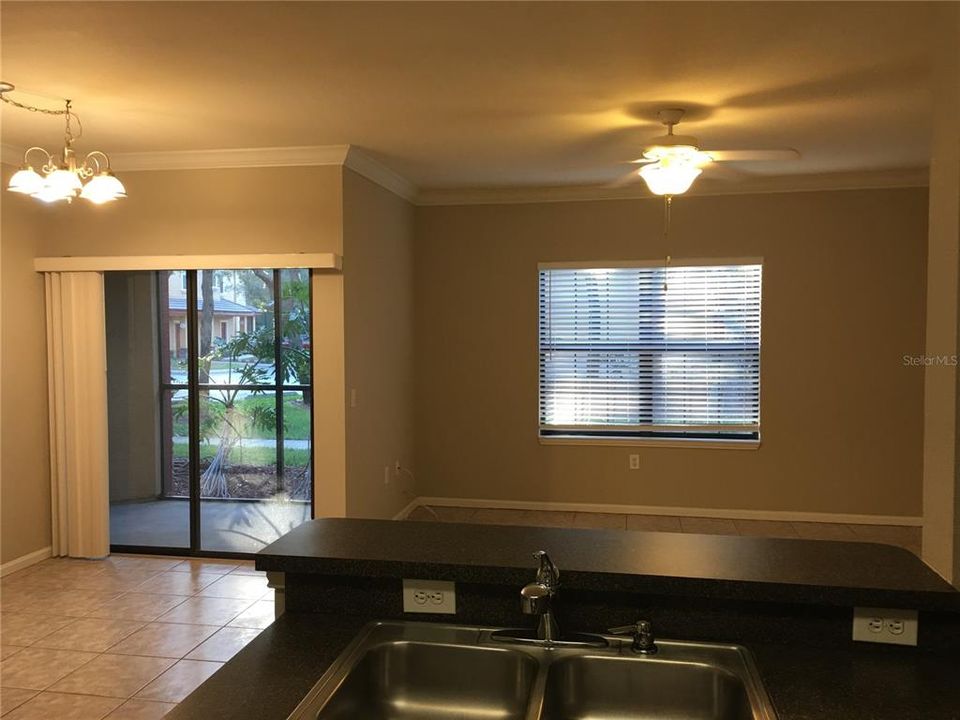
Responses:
[128,637]
[123,638]
[906,537]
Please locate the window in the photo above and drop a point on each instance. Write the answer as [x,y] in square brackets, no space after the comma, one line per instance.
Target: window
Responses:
[647,351]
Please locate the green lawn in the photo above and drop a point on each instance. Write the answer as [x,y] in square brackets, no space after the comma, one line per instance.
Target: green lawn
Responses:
[247,455]
[296,417]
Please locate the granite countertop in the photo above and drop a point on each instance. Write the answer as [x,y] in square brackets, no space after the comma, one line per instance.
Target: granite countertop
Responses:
[702,566]
[268,678]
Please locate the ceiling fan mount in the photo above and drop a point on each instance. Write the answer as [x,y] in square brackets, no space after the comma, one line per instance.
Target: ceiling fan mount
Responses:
[670,117]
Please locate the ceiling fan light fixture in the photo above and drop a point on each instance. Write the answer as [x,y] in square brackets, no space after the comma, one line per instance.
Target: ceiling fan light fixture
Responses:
[684,153]
[672,174]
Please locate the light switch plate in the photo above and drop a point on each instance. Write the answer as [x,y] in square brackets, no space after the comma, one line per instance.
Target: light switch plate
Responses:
[885,625]
[429,596]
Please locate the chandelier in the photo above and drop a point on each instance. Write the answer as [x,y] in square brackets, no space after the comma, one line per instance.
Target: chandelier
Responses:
[63,177]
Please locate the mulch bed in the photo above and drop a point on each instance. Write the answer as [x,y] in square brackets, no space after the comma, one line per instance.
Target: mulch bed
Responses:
[254,482]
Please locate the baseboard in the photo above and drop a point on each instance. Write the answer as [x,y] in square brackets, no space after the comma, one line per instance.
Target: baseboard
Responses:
[721,513]
[416,502]
[25,561]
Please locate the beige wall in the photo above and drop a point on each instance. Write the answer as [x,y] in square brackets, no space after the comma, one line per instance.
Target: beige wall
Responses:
[250,210]
[378,317]
[843,302]
[844,289]
[24,447]
[941,482]
[294,209]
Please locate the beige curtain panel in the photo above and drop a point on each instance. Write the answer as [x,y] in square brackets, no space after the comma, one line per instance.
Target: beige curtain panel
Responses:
[77,380]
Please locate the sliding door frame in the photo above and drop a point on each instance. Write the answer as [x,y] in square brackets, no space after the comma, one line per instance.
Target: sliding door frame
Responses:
[193,413]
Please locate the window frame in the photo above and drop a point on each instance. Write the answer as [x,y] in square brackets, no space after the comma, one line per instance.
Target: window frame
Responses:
[584,437]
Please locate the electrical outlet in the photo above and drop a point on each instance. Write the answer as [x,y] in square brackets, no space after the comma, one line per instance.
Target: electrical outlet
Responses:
[429,596]
[634,462]
[885,625]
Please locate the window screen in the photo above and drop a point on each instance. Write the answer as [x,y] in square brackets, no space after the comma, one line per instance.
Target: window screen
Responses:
[650,351]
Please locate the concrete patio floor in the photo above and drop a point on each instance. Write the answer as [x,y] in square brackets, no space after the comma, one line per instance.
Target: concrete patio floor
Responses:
[225,525]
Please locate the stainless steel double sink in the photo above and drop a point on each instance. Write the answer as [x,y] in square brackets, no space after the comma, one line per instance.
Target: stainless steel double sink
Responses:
[424,671]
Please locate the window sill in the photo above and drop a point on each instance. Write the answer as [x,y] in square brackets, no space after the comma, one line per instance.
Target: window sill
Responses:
[652,442]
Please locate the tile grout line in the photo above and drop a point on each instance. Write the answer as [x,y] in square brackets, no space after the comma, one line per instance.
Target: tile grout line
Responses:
[113,595]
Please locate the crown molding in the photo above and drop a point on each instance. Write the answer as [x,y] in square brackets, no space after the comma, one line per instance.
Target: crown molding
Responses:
[212,159]
[363,164]
[295,156]
[909,177]
[376,171]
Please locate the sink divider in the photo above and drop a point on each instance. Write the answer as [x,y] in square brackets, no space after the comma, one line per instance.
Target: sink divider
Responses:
[538,692]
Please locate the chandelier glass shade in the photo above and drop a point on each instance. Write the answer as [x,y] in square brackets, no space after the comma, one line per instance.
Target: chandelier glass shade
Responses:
[63,177]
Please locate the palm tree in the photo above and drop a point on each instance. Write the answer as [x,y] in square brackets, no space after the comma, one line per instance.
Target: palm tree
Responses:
[220,413]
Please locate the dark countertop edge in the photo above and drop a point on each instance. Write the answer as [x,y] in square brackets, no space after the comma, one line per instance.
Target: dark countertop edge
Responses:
[268,678]
[669,564]
[665,585]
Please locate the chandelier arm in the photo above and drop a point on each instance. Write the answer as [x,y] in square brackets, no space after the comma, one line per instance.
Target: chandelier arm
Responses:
[47,166]
[94,157]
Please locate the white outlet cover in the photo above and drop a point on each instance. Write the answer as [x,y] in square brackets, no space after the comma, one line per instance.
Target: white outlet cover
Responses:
[421,596]
[865,625]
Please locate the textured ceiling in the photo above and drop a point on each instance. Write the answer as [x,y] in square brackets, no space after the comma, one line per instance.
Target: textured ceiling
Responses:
[481,94]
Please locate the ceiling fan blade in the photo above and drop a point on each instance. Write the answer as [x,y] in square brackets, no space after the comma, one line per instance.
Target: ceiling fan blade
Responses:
[624,179]
[724,172]
[753,155]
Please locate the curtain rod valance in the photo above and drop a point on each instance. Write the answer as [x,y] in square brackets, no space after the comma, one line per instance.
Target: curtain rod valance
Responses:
[314,261]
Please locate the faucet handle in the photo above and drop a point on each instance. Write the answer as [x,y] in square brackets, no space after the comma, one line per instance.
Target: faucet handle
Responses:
[547,575]
[642,633]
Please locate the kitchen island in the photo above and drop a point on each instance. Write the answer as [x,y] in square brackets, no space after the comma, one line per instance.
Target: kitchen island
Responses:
[788,601]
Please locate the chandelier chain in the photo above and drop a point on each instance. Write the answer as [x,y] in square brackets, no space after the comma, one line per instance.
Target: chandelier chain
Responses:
[67,111]
[33,108]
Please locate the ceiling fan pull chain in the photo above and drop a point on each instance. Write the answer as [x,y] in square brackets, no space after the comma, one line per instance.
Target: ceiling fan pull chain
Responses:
[667,205]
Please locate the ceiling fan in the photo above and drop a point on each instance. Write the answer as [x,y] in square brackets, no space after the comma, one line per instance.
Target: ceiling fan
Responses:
[671,162]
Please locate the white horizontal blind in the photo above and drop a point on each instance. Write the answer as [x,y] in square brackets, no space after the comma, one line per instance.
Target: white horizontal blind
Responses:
[650,351]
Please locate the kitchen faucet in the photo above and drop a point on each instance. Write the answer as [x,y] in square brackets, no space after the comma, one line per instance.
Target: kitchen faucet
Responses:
[536,598]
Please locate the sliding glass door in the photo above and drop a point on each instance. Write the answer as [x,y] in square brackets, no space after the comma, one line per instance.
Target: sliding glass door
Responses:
[234,413]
